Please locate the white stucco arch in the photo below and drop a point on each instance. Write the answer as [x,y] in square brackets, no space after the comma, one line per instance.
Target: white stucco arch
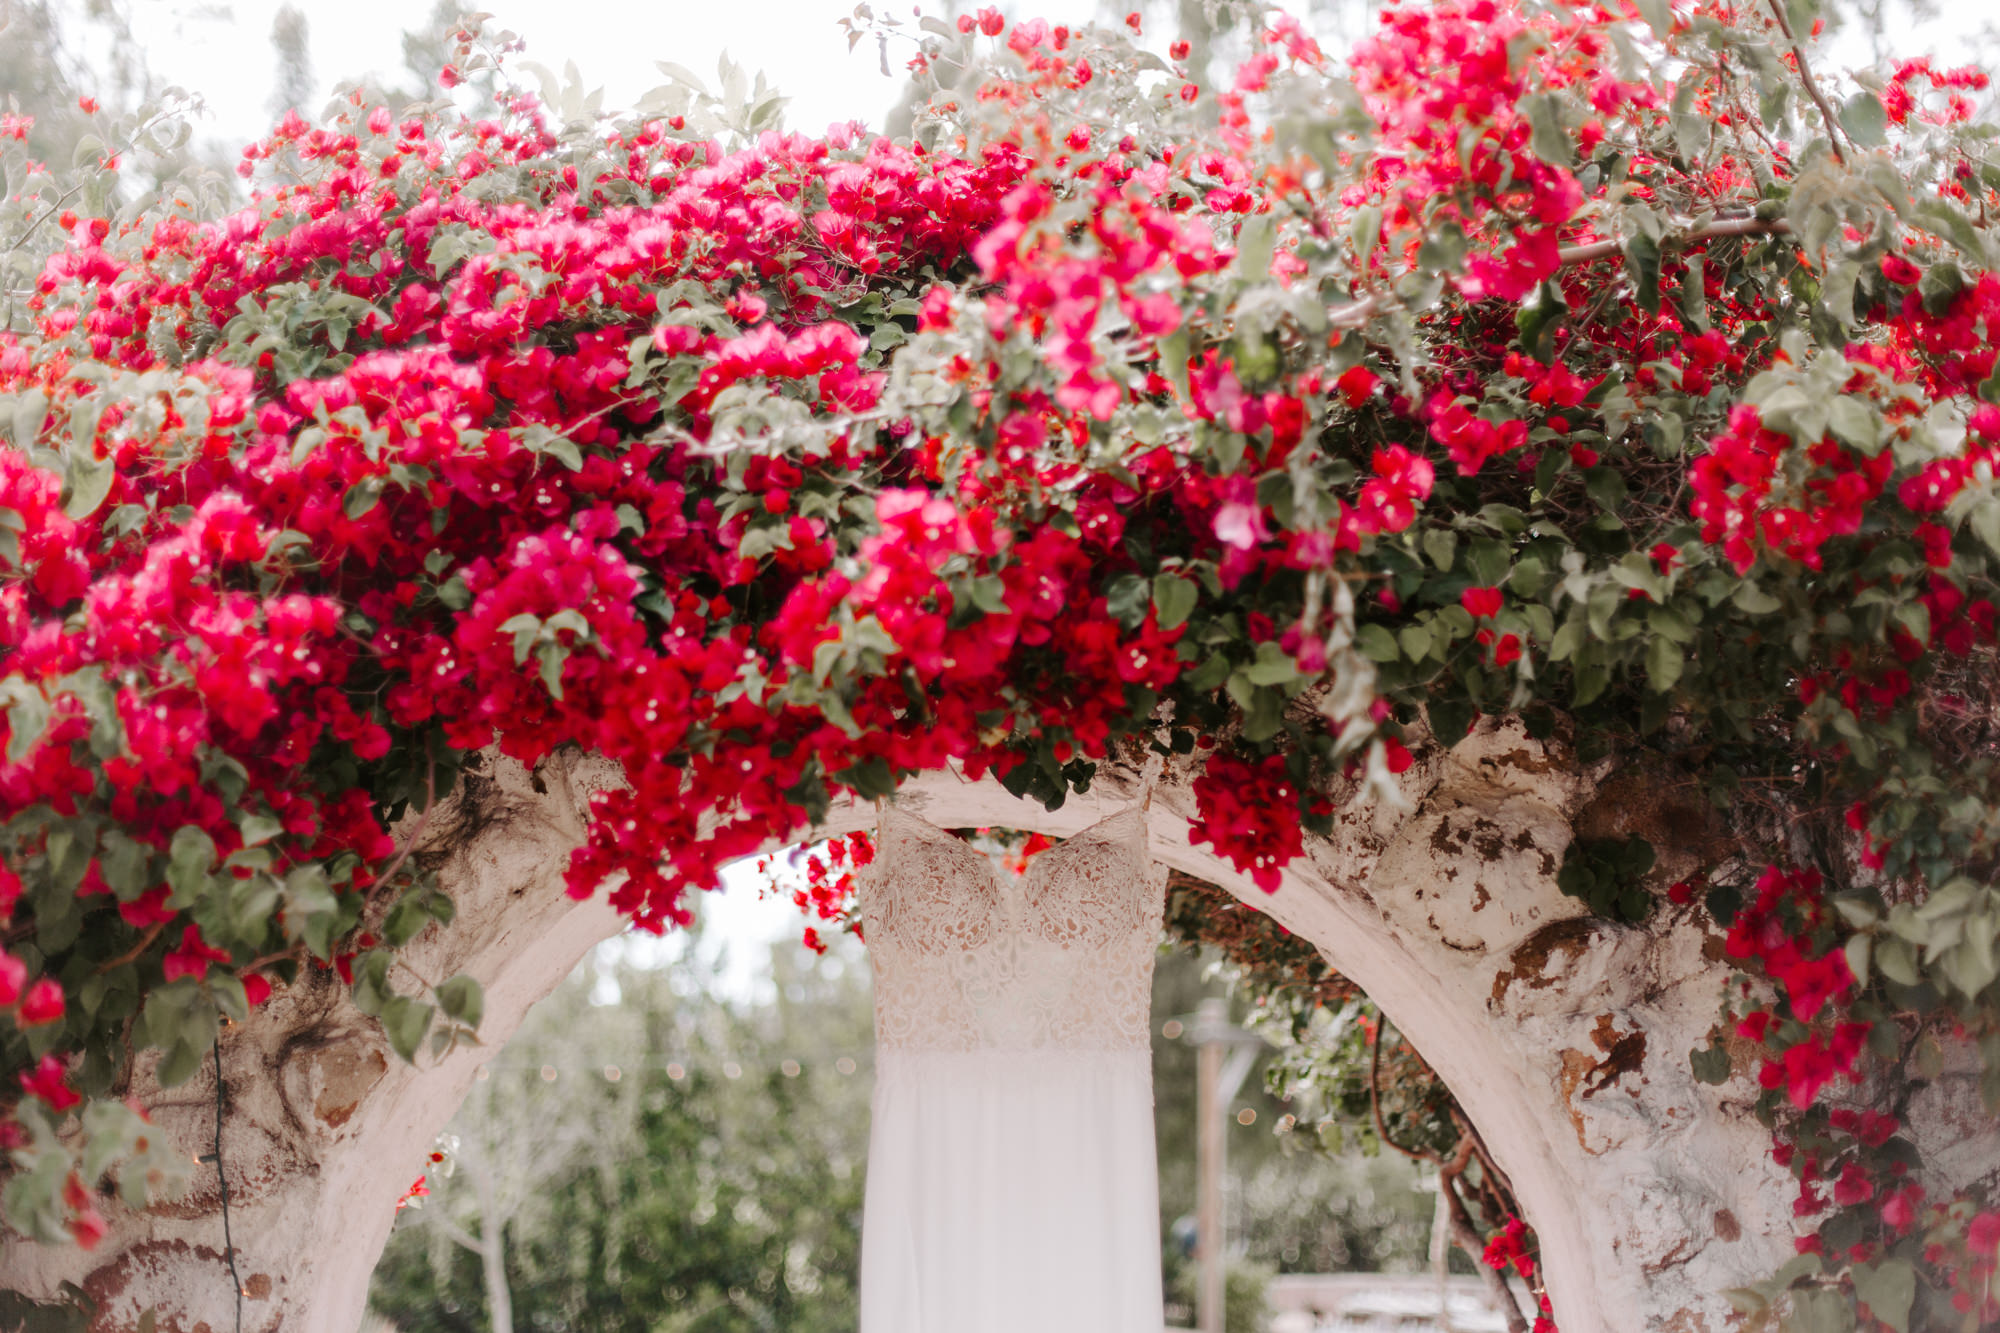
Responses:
[1565,1039]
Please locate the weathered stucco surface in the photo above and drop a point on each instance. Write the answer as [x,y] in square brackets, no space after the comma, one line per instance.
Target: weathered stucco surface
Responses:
[1566,1038]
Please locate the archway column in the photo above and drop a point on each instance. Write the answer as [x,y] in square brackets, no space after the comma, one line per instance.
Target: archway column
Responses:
[1566,1040]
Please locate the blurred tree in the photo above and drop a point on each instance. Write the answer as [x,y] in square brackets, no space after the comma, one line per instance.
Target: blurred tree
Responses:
[520,1137]
[53,55]
[722,1193]
[291,42]
[97,133]
[427,49]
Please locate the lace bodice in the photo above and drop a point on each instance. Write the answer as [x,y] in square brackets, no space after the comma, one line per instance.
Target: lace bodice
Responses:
[970,958]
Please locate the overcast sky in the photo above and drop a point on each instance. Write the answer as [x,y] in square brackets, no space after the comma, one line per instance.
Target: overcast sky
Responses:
[221,48]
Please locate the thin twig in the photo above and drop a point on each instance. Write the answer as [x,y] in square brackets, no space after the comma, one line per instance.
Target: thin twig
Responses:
[228,1243]
[1375,1102]
[145,943]
[1594,250]
[1466,1237]
[1833,131]
[1486,1162]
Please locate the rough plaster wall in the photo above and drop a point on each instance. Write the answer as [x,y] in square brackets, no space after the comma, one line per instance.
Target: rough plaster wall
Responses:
[325,1126]
[1567,1040]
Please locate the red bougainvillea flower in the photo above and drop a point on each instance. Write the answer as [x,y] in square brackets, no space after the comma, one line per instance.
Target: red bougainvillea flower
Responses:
[47,1082]
[193,957]
[1480,603]
[1247,812]
[42,1004]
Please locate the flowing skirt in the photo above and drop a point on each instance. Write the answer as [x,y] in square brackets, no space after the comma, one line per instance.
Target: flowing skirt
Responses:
[1012,1192]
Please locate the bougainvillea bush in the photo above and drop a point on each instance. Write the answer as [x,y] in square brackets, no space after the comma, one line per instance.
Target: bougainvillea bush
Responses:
[1604,365]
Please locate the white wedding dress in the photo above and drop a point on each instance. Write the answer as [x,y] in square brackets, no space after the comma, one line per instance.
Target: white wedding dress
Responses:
[1012,1186]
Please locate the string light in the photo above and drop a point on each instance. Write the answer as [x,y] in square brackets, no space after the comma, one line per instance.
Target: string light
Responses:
[1247,1116]
[679,1066]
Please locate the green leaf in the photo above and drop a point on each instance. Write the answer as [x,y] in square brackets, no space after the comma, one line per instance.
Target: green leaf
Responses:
[1274,666]
[1443,250]
[1984,519]
[405,919]
[1449,719]
[1487,559]
[87,480]
[190,856]
[371,981]
[462,998]
[552,656]
[361,497]
[1858,950]
[870,779]
[1606,486]
[258,829]
[1568,638]
[1664,661]
[1256,242]
[404,1022]
[1754,600]
[28,712]
[1441,547]
[1550,140]
[1855,423]
[989,593]
[1377,644]
[1266,716]
[1174,599]
[1127,599]
[1890,1289]
[1711,1064]
[1865,120]
[1642,256]
[1174,353]
[1366,230]
[1591,678]
[1658,14]
[125,864]
[230,997]
[179,1064]
[1819,1310]
[1693,133]
[111,1131]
